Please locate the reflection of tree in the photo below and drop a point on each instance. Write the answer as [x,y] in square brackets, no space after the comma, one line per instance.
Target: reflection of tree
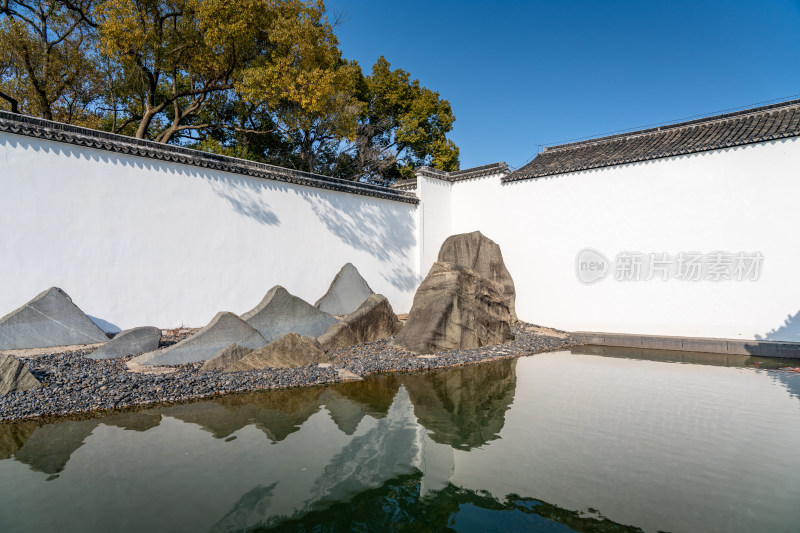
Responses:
[398,506]
[248,510]
[277,413]
[464,408]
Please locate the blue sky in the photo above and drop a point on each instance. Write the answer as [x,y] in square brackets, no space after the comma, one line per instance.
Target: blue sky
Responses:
[519,74]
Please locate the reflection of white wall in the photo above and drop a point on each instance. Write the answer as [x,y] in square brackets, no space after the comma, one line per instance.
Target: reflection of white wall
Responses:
[652,452]
[138,241]
[738,199]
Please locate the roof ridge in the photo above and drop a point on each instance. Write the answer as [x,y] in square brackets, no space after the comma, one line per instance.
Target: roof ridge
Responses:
[675,125]
[50,130]
[457,175]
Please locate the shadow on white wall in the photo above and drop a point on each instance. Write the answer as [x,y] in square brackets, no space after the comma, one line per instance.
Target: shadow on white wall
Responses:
[366,225]
[246,196]
[789,331]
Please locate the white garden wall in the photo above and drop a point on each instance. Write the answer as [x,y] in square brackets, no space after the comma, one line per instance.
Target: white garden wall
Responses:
[138,237]
[137,241]
[738,200]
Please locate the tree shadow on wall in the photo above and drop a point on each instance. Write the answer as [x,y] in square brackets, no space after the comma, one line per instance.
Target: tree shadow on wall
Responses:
[246,196]
[789,331]
[387,232]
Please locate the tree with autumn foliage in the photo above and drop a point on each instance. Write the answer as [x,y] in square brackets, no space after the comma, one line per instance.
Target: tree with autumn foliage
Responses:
[258,79]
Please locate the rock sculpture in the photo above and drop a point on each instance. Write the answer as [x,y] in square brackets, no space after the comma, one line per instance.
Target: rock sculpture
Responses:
[456,307]
[347,291]
[373,320]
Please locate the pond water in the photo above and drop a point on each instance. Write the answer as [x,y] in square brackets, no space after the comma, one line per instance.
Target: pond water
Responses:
[565,441]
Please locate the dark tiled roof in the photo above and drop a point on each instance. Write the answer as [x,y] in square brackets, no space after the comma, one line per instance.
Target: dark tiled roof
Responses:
[405,185]
[467,173]
[101,140]
[755,125]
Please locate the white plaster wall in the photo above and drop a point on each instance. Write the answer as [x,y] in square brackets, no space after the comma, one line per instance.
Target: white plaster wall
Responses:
[435,218]
[136,241]
[737,199]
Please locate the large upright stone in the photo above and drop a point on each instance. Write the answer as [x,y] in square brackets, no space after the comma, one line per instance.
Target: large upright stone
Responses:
[131,341]
[456,307]
[280,313]
[290,351]
[372,321]
[481,254]
[347,291]
[15,376]
[223,330]
[50,319]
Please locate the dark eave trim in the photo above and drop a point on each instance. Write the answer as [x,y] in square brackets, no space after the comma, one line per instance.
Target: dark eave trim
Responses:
[468,173]
[121,144]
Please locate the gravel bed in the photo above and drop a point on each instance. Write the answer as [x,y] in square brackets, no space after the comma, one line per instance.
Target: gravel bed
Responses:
[75,384]
[382,357]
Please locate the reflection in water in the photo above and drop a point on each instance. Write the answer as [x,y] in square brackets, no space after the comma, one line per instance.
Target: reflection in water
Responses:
[398,504]
[657,445]
[277,413]
[464,409]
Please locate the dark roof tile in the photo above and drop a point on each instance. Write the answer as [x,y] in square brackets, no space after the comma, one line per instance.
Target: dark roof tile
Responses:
[755,125]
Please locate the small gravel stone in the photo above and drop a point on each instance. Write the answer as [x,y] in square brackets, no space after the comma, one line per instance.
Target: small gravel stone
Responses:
[72,383]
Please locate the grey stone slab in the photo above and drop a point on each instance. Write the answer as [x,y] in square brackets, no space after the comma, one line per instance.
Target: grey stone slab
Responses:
[50,319]
[730,347]
[226,357]
[661,343]
[372,321]
[223,330]
[704,345]
[290,351]
[15,376]
[346,293]
[280,312]
[131,341]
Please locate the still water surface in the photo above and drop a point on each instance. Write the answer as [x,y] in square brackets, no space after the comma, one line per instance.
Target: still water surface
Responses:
[565,441]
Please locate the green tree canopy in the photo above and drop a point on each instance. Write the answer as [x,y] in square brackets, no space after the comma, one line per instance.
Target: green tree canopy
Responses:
[259,79]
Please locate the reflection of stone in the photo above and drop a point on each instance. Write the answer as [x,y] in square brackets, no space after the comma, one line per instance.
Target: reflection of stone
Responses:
[456,307]
[347,291]
[391,447]
[348,403]
[50,446]
[13,435]
[50,319]
[464,408]
[134,420]
[345,413]
[277,413]
[375,395]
